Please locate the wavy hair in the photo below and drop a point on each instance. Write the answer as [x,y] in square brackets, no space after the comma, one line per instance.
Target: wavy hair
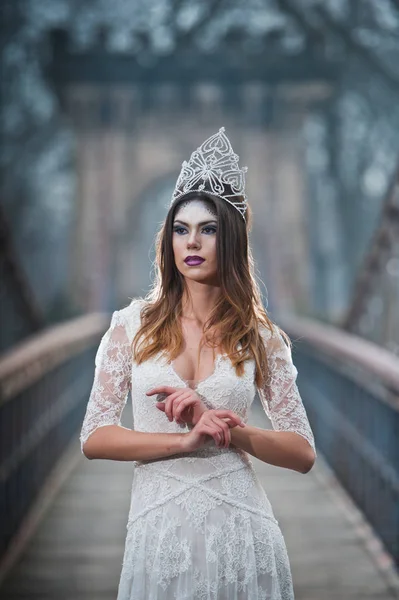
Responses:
[238,315]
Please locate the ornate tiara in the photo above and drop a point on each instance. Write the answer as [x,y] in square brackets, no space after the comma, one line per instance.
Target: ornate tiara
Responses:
[216,164]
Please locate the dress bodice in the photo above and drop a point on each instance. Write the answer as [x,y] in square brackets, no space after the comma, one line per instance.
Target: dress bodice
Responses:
[221,389]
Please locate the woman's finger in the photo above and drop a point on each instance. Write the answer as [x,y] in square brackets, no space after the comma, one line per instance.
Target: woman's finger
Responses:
[227,437]
[184,403]
[177,403]
[217,424]
[230,423]
[229,414]
[168,407]
[209,430]
[223,427]
[169,402]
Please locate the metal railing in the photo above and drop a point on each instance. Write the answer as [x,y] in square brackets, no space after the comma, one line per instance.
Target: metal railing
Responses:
[350,388]
[44,387]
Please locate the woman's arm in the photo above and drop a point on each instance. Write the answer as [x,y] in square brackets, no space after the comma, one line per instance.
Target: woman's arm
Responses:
[111,384]
[291,445]
[102,435]
[115,442]
[279,448]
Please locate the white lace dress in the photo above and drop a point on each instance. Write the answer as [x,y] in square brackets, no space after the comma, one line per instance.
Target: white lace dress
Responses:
[200,525]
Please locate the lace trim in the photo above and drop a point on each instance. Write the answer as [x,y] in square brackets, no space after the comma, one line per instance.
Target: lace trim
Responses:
[197,483]
[281,399]
[112,378]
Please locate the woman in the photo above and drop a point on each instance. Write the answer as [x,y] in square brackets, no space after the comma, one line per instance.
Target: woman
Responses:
[193,354]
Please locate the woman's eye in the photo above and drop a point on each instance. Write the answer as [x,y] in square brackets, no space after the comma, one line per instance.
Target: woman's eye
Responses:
[210,228]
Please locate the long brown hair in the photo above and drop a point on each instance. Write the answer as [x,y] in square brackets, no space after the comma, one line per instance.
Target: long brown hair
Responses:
[237,315]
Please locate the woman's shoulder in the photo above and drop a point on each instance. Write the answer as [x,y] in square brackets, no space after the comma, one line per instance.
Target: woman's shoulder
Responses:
[273,338]
[130,315]
[269,332]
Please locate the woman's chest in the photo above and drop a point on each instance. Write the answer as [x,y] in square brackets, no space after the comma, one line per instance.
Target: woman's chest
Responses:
[193,365]
[221,389]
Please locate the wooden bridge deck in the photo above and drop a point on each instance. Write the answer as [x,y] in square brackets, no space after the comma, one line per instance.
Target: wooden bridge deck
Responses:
[76,552]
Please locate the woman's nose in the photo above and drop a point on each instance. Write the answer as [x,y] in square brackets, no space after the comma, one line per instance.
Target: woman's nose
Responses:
[192,239]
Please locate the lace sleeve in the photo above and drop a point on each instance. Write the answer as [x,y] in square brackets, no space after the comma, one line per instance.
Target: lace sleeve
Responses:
[112,379]
[280,398]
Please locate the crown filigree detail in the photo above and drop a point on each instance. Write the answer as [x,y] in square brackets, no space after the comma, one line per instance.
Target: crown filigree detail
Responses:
[212,167]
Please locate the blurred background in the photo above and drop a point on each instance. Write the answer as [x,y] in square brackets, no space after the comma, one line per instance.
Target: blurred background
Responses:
[100,104]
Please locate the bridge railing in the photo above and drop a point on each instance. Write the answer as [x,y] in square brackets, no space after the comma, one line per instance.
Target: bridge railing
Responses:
[350,388]
[44,386]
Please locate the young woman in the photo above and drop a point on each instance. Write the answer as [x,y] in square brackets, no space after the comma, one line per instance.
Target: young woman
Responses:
[193,354]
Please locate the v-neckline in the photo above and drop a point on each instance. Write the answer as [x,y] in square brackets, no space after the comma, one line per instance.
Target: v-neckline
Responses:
[200,381]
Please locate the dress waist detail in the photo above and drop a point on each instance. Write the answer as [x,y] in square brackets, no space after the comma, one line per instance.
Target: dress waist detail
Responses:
[198,482]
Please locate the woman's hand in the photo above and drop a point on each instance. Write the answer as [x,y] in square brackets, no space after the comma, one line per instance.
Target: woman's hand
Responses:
[183,405]
[215,423]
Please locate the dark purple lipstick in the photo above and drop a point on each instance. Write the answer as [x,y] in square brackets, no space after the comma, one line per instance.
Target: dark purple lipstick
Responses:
[193,260]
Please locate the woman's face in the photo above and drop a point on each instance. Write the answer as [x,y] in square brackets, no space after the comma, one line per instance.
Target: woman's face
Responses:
[194,235]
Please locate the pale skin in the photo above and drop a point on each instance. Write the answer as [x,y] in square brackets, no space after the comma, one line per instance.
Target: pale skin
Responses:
[194,233]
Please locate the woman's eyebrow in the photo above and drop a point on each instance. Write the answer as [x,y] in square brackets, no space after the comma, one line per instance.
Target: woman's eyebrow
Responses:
[201,223]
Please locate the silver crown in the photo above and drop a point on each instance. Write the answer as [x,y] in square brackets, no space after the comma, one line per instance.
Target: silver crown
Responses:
[215,163]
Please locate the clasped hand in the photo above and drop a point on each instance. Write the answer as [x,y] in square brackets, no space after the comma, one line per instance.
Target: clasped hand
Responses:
[184,405]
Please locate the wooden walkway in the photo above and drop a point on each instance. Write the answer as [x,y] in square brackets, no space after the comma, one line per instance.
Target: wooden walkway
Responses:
[76,552]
